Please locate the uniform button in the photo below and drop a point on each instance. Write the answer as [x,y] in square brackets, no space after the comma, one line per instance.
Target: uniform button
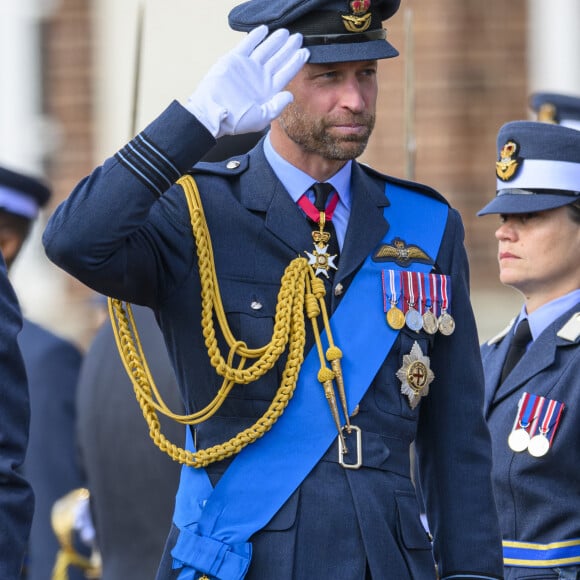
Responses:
[338,289]
[255,305]
[233,164]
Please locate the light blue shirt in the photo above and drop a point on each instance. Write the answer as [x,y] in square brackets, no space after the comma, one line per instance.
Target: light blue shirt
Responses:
[297,183]
[541,318]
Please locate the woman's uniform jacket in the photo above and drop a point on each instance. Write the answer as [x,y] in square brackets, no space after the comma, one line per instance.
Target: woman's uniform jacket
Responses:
[125,231]
[538,498]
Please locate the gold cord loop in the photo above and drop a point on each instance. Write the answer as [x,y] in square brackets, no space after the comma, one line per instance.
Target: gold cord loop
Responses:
[300,290]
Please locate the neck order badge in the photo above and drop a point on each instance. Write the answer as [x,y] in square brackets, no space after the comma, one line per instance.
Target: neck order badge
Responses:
[323,257]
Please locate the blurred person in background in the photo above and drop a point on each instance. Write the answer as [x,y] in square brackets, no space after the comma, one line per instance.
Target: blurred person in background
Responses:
[52,366]
[16,495]
[556,108]
[532,368]
[131,482]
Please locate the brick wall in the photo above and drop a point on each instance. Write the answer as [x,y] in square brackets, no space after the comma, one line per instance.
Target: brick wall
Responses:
[68,77]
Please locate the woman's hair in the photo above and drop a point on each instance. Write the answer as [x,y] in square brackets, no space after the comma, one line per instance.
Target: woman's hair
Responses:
[574,211]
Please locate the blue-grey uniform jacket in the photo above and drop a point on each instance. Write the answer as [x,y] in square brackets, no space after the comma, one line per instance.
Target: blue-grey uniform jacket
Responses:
[126,232]
[16,497]
[538,498]
[52,467]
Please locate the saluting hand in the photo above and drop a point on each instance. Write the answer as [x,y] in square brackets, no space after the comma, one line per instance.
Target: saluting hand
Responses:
[243,91]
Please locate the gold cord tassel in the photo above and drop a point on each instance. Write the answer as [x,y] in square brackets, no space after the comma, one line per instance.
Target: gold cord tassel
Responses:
[326,376]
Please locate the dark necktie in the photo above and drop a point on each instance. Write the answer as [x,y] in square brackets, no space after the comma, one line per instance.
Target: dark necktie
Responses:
[321,193]
[520,341]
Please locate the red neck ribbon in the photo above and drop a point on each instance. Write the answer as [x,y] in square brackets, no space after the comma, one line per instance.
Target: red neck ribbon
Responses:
[313,213]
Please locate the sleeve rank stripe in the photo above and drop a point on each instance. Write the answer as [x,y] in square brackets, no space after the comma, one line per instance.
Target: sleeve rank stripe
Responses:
[148,165]
[157,153]
[124,161]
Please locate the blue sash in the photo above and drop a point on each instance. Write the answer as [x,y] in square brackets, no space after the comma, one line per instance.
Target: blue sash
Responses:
[215,524]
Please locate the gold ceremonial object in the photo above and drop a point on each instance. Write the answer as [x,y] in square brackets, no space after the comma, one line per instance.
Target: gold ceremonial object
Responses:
[360,19]
[395,318]
[508,164]
[315,299]
[320,259]
[289,335]
[62,519]
[415,375]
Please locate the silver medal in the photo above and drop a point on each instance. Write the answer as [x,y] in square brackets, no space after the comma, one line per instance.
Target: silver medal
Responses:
[413,319]
[538,445]
[429,322]
[518,440]
[446,324]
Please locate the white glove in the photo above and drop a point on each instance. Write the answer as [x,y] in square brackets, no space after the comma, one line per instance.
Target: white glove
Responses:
[242,92]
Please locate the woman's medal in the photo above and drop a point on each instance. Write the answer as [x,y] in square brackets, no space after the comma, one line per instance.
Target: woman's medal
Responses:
[519,437]
[539,444]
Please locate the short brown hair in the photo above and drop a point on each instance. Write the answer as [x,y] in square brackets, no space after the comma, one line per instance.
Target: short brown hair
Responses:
[574,211]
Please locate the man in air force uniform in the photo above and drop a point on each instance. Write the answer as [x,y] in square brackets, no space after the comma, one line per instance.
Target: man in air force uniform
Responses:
[314,481]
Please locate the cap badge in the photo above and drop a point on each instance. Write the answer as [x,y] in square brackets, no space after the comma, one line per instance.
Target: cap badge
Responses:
[415,375]
[508,162]
[360,19]
[547,113]
[401,253]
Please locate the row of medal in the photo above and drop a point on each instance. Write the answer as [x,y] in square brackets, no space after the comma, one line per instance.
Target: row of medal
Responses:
[535,425]
[417,300]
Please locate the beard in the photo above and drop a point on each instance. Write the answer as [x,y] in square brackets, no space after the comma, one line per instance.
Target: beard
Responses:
[314,136]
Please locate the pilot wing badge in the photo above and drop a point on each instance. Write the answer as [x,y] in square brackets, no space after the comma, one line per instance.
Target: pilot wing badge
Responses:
[401,253]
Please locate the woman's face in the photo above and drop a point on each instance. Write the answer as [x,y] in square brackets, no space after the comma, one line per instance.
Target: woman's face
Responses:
[539,254]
